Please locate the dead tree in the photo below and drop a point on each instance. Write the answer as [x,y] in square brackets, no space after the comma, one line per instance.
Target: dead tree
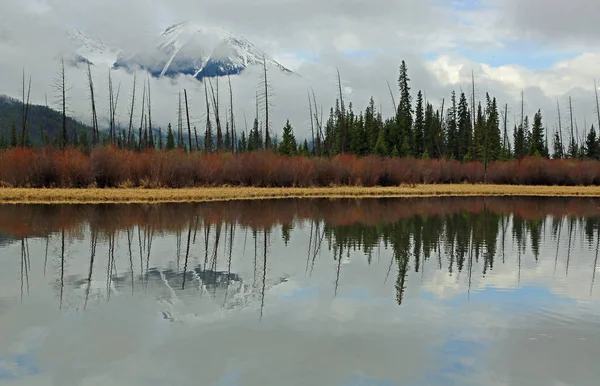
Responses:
[597,103]
[95,133]
[208,133]
[342,117]
[59,84]
[142,117]
[129,131]
[25,110]
[187,114]
[233,136]
[312,125]
[265,98]
[150,135]
[215,100]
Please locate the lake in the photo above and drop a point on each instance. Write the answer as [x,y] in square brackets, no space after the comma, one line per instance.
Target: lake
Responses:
[419,291]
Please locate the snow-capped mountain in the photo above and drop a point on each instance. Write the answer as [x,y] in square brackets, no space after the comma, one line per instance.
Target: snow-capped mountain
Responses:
[91,49]
[184,48]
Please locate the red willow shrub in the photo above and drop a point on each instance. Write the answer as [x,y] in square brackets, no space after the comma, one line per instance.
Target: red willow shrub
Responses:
[112,167]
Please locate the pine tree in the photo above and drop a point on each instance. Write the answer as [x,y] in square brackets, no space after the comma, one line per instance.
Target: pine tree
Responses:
[493,143]
[537,147]
[592,145]
[227,143]
[465,131]
[419,129]
[288,142]
[478,150]
[243,145]
[558,147]
[452,148]
[381,145]
[84,142]
[13,135]
[160,139]
[170,138]
[404,115]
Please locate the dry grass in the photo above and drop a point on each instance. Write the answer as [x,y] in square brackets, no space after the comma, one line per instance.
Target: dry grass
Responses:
[137,195]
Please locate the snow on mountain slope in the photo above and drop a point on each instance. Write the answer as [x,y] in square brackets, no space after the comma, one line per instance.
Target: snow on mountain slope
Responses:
[91,49]
[191,49]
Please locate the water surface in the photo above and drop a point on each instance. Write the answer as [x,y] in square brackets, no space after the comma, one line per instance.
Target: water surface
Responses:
[419,291]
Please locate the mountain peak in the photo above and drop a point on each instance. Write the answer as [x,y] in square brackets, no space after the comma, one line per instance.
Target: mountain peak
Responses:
[184,48]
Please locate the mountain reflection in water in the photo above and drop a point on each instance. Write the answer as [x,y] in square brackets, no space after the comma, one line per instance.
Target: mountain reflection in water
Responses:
[371,269]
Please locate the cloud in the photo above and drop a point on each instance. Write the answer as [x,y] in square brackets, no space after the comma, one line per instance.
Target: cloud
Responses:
[314,38]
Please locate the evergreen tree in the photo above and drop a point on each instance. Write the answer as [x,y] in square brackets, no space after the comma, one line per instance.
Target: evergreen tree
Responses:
[404,116]
[243,145]
[227,144]
[170,139]
[478,150]
[537,147]
[160,138]
[419,129]
[13,135]
[465,132]
[2,140]
[493,143]
[381,145]
[430,135]
[208,137]
[288,142]
[150,139]
[255,141]
[452,147]
[592,145]
[305,149]
[85,145]
[558,147]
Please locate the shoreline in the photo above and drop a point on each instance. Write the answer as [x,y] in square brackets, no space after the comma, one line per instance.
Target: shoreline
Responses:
[201,194]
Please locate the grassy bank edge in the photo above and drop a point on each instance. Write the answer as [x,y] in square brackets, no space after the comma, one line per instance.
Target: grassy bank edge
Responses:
[139,195]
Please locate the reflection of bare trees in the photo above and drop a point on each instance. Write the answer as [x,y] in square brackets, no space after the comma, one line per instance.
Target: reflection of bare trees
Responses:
[463,238]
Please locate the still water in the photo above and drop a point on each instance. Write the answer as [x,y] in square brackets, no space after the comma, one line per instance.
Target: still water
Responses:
[422,291]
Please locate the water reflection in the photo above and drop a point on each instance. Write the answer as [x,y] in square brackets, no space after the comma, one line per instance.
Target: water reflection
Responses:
[452,278]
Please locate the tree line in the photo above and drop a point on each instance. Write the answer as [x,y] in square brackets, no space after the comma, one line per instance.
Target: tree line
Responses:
[462,129]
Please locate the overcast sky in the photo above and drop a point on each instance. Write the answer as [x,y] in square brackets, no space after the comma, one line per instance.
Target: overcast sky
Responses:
[548,48]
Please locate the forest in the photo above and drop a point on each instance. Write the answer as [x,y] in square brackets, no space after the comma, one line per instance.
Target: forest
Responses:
[463,140]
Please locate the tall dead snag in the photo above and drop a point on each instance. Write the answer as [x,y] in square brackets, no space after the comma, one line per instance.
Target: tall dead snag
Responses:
[179,123]
[312,125]
[59,84]
[110,106]
[392,97]
[142,117]
[95,133]
[208,141]
[150,135]
[342,117]
[233,136]
[187,114]
[215,100]
[25,110]
[129,131]
[562,146]
[265,98]
[597,103]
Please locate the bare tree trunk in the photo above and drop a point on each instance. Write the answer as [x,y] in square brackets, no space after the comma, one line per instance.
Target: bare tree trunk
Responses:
[129,131]
[110,106]
[65,137]
[392,97]
[312,126]
[342,115]
[95,134]
[597,104]
[187,114]
[142,117]
[266,97]
[562,146]
[150,135]
[208,132]
[231,115]
[216,113]
[26,112]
